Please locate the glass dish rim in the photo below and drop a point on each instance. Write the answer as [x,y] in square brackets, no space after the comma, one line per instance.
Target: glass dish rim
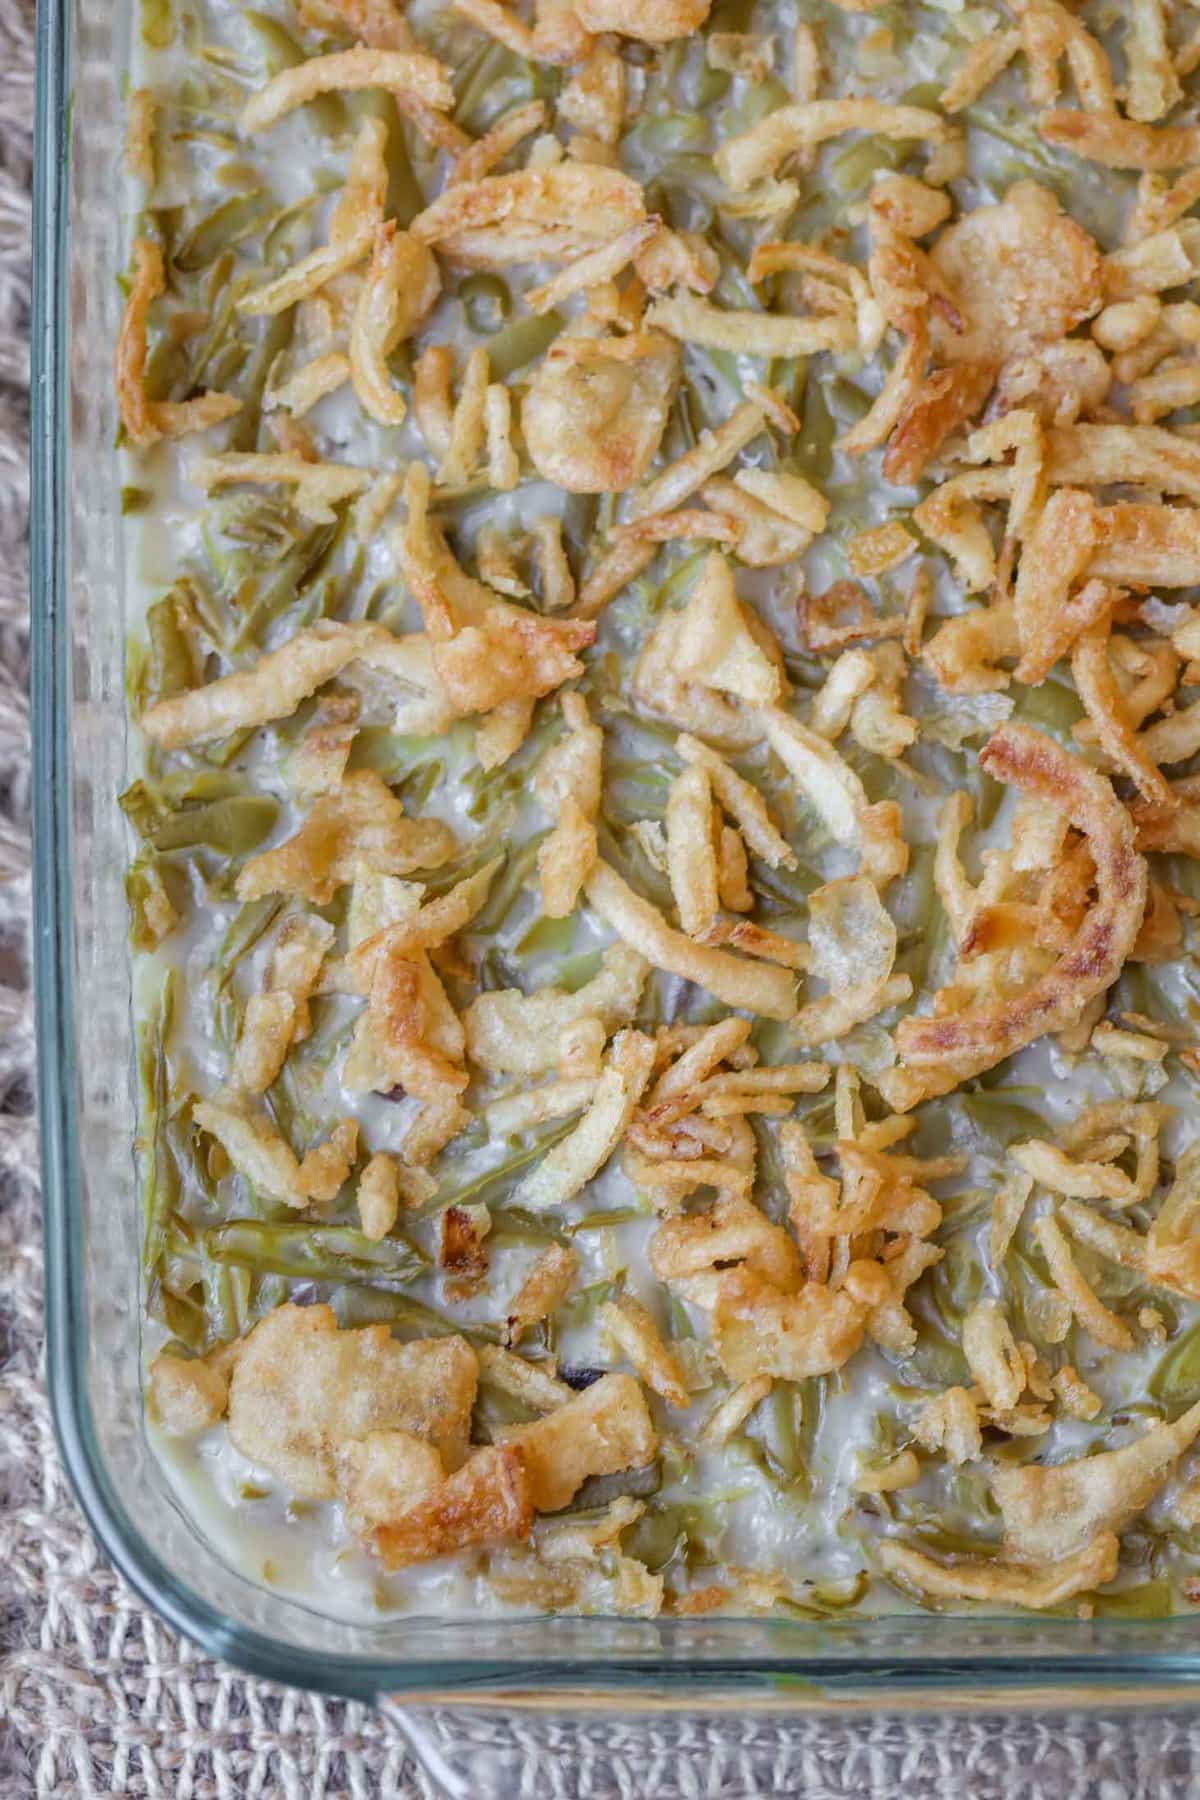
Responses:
[368,1678]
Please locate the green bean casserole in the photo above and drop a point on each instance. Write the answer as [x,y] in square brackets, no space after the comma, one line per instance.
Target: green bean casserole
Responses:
[665,866]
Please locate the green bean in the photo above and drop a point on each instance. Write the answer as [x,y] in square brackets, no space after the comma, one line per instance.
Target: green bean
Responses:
[999,1117]
[496,1183]
[520,342]
[842,1596]
[659,1537]
[761,98]
[477,82]
[576,971]
[674,588]
[236,218]
[1176,1378]
[672,132]
[232,826]
[487,302]
[281,586]
[619,847]
[783,1445]
[853,169]
[304,1252]
[509,886]
[1022,138]
[402,1309]
[184,1318]
[786,887]
[170,662]
[227,1293]
[157,24]
[282,245]
[218,355]
[141,807]
[405,197]
[602,1221]
[547,937]
[600,1491]
[244,434]
[581,1308]
[162,1186]
[1053,707]
[812,453]
[166,369]
[1148,1600]
[513,1225]
[712,86]
[144,883]
[251,921]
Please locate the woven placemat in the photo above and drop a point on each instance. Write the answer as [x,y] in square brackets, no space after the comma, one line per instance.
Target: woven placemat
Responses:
[97,1697]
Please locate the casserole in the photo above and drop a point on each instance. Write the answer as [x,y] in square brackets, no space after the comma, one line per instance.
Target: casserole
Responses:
[86,1082]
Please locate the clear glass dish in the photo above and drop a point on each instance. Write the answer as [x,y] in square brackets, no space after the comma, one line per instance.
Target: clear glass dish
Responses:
[525,1668]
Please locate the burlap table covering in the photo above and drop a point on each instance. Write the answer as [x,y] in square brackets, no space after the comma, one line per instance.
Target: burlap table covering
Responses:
[97,1697]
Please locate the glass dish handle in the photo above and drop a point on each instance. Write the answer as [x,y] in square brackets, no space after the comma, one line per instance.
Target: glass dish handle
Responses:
[612,1749]
[587,1745]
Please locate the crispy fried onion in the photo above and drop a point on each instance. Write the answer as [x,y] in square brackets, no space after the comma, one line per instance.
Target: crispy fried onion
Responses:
[1022,274]
[602,1431]
[1173,1240]
[1057,555]
[489,1500]
[661,688]
[1120,143]
[301,1390]
[742,801]
[362,822]
[756,154]
[695,321]
[254,1147]
[511,1033]
[409,1035]
[759,1331]
[691,850]
[1035,1586]
[595,411]
[1049,1513]
[485,650]
[1091,455]
[649,21]
[759,987]
[715,644]
[847,289]
[406,74]
[1116,732]
[1049,32]
[837,795]
[852,945]
[278,1017]
[632,1330]
[146,420]
[399,290]
[939,1052]
[567,783]
[533,215]
[542,1292]
[317,487]
[279,681]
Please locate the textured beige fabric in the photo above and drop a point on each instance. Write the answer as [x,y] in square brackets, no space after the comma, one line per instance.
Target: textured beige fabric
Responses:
[98,1698]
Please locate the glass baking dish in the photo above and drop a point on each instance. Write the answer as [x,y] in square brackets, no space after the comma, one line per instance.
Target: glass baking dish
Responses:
[512,1674]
